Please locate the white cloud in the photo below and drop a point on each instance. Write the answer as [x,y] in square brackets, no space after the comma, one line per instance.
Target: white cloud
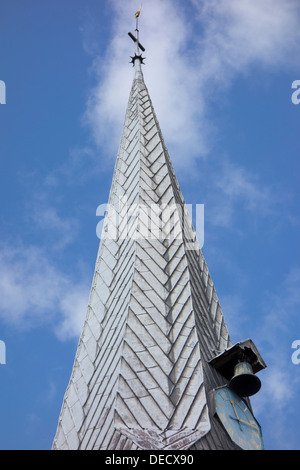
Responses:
[275,404]
[230,186]
[63,230]
[73,306]
[170,86]
[238,183]
[33,292]
[280,381]
[190,61]
[277,384]
[238,34]
[281,311]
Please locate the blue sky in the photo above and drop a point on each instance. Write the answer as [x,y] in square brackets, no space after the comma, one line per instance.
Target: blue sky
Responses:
[220,76]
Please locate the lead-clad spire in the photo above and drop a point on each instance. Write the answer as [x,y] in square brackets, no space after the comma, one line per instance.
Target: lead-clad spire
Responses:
[141,376]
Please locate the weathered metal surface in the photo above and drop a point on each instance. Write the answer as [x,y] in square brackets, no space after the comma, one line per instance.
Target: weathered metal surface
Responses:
[141,374]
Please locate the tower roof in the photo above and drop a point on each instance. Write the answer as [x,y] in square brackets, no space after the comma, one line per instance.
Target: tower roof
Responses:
[141,374]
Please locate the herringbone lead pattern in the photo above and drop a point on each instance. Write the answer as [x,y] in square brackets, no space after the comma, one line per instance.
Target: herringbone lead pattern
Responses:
[140,376]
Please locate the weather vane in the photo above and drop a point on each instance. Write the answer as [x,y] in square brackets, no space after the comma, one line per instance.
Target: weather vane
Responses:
[135,38]
[137,14]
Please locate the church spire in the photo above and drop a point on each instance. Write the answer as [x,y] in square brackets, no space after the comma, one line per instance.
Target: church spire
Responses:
[154,361]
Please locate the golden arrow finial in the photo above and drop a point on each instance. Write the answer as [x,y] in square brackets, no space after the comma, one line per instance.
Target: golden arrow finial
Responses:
[137,14]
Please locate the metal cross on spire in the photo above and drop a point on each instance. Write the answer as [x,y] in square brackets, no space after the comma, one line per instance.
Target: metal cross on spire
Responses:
[137,59]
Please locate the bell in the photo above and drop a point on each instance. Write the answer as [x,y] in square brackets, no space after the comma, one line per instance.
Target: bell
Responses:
[244,382]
